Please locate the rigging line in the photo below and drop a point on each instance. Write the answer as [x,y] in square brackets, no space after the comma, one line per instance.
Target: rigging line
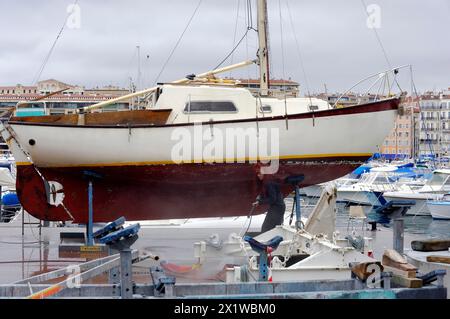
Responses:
[178,42]
[302,65]
[128,77]
[246,47]
[47,57]
[249,14]
[381,44]
[282,46]
[413,85]
[233,50]
[378,37]
[235,31]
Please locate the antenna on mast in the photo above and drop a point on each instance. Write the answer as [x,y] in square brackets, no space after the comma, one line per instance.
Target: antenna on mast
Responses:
[263,51]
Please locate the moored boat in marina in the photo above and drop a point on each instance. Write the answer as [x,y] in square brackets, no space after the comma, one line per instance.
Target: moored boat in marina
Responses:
[440,209]
[144,171]
[378,180]
[433,190]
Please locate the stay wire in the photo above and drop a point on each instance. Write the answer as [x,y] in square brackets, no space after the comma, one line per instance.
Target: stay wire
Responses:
[282,46]
[235,30]
[233,50]
[300,55]
[249,27]
[363,3]
[413,86]
[178,42]
[47,57]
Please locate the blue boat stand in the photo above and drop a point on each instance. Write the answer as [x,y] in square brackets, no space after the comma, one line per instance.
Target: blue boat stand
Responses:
[90,176]
[119,238]
[264,250]
[295,181]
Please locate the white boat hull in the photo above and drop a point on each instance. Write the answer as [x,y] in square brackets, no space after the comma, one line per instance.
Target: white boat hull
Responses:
[150,171]
[69,146]
[313,191]
[354,197]
[420,208]
[439,209]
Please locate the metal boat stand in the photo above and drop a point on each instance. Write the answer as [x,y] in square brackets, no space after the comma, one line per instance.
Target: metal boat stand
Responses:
[295,181]
[121,239]
[383,212]
[91,177]
[117,238]
[264,250]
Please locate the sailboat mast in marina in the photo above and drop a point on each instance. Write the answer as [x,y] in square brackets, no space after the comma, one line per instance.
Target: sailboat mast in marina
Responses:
[135,156]
[263,51]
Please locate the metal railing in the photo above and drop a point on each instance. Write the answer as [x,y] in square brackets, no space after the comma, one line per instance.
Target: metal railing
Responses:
[383,79]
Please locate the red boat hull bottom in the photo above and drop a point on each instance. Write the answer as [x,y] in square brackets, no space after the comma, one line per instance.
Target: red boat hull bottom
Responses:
[163,191]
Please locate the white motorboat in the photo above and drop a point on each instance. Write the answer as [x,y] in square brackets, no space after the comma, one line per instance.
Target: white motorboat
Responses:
[316,190]
[433,190]
[378,180]
[440,209]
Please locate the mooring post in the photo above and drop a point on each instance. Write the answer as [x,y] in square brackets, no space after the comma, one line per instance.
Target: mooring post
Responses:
[398,235]
[89,230]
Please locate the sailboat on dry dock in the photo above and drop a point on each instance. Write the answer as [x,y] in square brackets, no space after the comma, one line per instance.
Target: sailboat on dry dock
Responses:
[132,152]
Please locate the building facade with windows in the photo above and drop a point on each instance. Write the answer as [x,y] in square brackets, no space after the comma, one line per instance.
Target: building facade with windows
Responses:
[69,99]
[278,87]
[434,124]
[400,142]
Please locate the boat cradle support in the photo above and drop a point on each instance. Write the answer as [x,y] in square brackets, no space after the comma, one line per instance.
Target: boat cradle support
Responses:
[324,255]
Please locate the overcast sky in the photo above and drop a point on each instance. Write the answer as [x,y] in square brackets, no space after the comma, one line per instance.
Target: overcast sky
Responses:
[337,46]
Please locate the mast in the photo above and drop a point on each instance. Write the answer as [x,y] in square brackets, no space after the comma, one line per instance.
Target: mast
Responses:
[263,51]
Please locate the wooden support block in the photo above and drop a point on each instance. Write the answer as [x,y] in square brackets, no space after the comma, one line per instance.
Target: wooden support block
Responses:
[407,282]
[393,259]
[438,259]
[431,245]
[399,272]
[360,270]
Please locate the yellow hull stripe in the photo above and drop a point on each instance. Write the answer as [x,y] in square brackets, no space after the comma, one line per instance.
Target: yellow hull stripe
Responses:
[227,160]
[23,163]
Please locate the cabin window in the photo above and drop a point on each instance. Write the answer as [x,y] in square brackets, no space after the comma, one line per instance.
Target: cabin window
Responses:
[265,109]
[313,108]
[447,182]
[210,107]
[437,179]
[381,180]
